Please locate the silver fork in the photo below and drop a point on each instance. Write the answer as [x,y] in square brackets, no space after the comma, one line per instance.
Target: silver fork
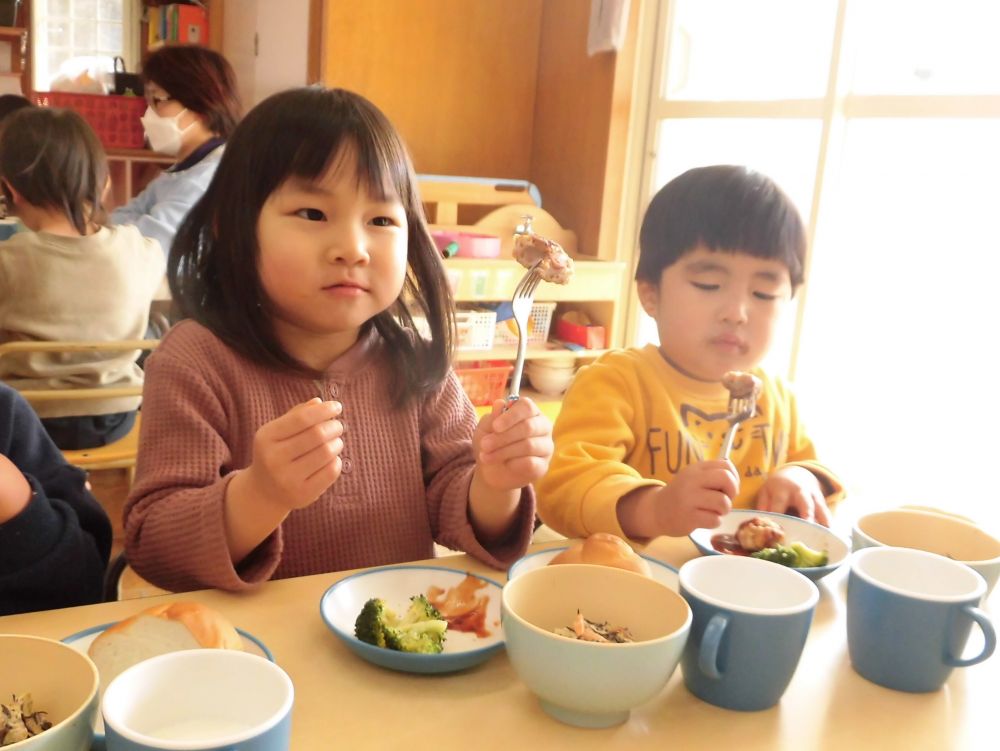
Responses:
[524,296]
[740,409]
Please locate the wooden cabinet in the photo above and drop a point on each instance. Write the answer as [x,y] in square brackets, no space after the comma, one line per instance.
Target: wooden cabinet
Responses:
[504,89]
[15,68]
[500,89]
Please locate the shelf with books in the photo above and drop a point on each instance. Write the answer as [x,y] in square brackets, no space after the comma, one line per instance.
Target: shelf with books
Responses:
[181,23]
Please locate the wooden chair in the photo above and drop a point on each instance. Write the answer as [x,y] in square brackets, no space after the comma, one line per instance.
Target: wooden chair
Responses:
[120,454]
[121,582]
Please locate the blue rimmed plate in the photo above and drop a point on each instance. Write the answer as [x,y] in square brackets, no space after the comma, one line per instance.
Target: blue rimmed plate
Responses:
[816,536]
[661,572]
[81,641]
[342,602]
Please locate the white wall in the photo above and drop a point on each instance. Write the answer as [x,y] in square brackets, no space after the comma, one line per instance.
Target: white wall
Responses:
[281,55]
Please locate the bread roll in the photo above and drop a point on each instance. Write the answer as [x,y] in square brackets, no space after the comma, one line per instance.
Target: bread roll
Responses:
[158,630]
[604,549]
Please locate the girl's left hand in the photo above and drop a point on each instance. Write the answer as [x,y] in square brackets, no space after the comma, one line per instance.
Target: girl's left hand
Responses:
[512,448]
[794,490]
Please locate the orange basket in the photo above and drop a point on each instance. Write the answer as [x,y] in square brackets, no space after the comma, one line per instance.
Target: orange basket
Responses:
[115,119]
[484,384]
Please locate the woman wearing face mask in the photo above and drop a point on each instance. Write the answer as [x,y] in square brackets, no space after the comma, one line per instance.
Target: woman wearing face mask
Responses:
[193,107]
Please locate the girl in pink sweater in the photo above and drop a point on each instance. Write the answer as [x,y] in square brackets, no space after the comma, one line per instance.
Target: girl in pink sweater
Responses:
[297,424]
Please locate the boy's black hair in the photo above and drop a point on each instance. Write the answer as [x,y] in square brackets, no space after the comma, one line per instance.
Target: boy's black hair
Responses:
[725,208]
[301,133]
[53,159]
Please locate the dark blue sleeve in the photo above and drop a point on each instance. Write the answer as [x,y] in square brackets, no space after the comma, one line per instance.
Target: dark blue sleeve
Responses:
[54,553]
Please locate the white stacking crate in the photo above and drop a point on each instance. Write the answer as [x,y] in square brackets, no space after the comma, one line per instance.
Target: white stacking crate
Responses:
[539,323]
[475,329]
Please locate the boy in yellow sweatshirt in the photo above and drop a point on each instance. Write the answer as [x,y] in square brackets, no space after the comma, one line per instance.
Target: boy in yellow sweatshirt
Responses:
[637,441]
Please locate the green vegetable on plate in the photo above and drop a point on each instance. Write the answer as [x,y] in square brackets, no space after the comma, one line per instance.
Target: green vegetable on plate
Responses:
[421,629]
[795,555]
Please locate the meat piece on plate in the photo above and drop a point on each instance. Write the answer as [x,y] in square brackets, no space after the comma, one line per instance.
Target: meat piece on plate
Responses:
[759,533]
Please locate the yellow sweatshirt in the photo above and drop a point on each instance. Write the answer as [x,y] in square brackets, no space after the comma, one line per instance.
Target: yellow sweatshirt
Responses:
[631,420]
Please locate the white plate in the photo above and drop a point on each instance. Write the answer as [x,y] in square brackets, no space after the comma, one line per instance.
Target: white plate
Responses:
[81,641]
[816,536]
[341,604]
[661,572]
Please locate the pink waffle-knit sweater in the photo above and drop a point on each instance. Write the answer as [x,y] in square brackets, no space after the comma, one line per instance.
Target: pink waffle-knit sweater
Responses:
[405,480]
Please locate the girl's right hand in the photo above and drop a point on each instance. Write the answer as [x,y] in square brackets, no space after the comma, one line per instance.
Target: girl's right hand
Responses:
[297,456]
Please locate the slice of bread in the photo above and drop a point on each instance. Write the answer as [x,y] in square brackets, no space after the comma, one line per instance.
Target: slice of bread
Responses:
[158,630]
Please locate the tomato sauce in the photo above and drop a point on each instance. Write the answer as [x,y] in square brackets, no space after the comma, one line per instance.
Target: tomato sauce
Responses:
[727,543]
[461,606]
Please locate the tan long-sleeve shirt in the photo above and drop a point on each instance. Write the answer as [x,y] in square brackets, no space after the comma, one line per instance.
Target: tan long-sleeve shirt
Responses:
[98,287]
[405,481]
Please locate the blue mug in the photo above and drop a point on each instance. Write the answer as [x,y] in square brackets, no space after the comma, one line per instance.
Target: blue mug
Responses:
[909,614]
[750,619]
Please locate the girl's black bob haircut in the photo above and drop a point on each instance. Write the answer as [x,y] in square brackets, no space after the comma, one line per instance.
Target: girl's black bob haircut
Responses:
[213,262]
[723,208]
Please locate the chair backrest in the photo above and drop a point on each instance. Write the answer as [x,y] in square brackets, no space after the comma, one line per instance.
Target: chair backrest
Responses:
[36,396]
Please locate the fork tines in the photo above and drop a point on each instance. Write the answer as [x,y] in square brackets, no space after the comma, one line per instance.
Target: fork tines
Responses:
[526,287]
[742,408]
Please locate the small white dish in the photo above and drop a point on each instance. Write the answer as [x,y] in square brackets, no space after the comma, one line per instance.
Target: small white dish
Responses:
[816,536]
[81,641]
[662,572]
[342,602]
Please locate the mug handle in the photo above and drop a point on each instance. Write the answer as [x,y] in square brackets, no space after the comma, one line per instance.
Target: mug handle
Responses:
[708,654]
[989,636]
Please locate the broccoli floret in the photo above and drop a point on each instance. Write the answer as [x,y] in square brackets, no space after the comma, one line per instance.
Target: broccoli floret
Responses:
[795,555]
[778,554]
[370,624]
[421,629]
[425,637]
[421,610]
[808,558]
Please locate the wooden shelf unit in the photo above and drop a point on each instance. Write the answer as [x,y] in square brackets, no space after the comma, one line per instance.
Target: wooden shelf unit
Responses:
[16,38]
[131,171]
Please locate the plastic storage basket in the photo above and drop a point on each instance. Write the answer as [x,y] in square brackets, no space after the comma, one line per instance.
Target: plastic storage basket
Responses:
[475,329]
[484,384]
[115,119]
[538,326]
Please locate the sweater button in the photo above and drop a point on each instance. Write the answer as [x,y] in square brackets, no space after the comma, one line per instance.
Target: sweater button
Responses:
[334,390]
[346,465]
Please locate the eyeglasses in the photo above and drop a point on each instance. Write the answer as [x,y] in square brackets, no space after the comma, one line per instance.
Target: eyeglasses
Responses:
[155,100]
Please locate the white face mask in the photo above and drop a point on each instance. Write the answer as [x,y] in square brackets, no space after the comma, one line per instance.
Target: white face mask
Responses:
[164,133]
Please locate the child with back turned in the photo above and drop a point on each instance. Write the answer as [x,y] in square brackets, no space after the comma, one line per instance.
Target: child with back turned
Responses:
[297,424]
[637,440]
[70,277]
